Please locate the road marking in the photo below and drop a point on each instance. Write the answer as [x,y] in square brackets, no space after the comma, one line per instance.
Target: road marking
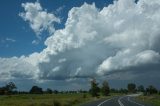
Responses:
[119,101]
[135,102]
[104,101]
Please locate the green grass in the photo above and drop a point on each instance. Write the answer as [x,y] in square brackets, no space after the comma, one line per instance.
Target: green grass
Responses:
[152,99]
[40,100]
[47,99]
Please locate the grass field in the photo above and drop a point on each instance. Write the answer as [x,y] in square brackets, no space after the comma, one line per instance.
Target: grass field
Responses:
[42,99]
[153,99]
[46,99]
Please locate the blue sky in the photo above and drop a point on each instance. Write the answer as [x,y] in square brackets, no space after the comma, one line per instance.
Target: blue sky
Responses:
[61,43]
[13,27]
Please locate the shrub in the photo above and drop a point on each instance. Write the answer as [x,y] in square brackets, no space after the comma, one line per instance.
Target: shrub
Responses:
[56,103]
[84,95]
[43,104]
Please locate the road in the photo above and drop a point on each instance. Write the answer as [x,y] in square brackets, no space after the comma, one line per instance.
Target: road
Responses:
[117,101]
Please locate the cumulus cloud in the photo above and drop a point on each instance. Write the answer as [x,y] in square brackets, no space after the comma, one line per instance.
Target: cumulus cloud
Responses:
[116,38]
[39,19]
[13,68]
[125,59]
[122,37]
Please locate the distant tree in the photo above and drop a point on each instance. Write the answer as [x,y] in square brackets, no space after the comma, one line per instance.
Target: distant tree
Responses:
[124,91]
[151,90]
[94,88]
[131,87]
[105,88]
[36,90]
[2,90]
[113,90]
[141,88]
[10,87]
[56,92]
[49,91]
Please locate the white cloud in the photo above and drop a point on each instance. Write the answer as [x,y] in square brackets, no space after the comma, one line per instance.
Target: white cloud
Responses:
[38,18]
[13,68]
[6,41]
[125,59]
[35,42]
[59,10]
[113,36]
[118,38]
[10,40]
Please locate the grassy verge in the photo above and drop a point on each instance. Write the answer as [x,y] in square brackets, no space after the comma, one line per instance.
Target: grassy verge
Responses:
[152,99]
[47,99]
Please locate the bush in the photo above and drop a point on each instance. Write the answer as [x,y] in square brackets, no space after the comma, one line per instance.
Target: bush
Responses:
[84,96]
[56,103]
[151,90]
[43,104]
[36,90]
[75,101]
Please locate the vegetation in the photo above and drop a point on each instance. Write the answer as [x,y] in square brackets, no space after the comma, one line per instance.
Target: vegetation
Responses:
[132,87]
[36,90]
[141,88]
[39,97]
[154,100]
[8,89]
[151,90]
[43,99]
[94,88]
[150,96]
[49,91]
[105,88]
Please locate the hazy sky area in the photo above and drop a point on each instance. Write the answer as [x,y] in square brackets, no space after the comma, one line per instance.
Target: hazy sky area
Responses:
[62,44]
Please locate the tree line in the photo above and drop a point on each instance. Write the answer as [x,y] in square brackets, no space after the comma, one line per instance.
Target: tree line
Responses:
[95,89]
[11,88]
[104,89]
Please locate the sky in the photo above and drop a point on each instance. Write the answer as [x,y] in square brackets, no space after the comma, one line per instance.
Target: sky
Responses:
[61,44]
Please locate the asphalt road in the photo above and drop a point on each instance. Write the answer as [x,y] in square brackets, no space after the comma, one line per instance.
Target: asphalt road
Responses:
[117,101]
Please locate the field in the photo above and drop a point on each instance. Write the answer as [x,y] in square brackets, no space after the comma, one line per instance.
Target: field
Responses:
[46,99]
[153,99]
[42,99]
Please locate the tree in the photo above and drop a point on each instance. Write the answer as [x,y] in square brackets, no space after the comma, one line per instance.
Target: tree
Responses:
[124,91]
[56,91]
[105,88]
[36,90]
[141,88]
[9,88]
[49,91]
[151,90]
[94,88]
[2,90]
[131,87]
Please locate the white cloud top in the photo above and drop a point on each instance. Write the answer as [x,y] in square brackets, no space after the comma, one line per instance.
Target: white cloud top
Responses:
[38,18]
